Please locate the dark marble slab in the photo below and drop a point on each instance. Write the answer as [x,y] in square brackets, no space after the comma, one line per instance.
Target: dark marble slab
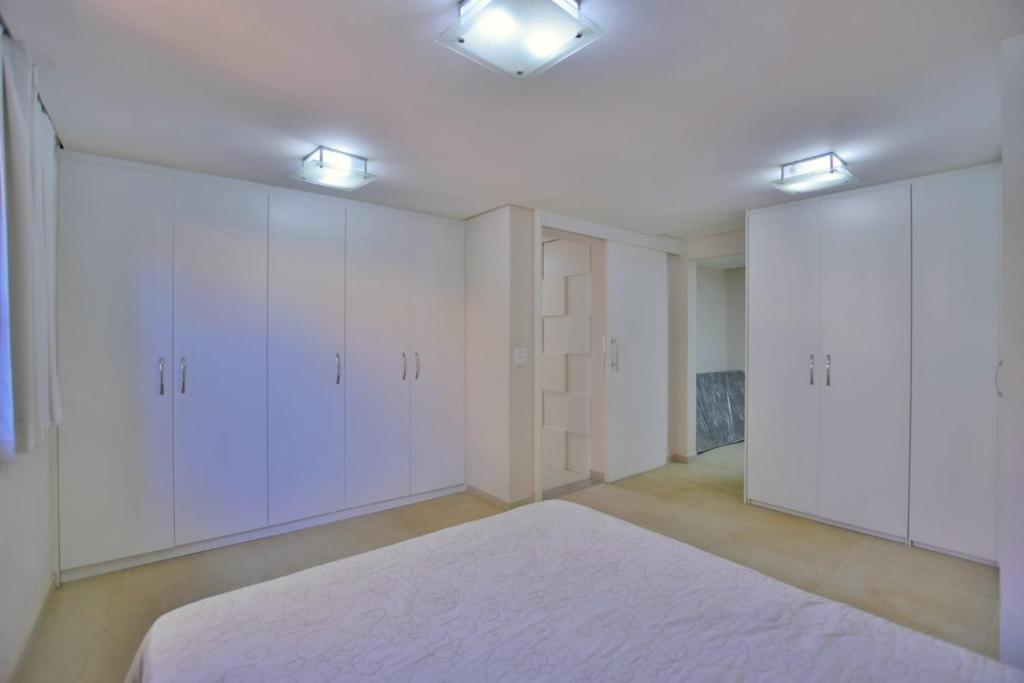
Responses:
[720,409]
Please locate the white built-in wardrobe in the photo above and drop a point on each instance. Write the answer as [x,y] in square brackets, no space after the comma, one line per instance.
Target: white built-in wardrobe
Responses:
[873,346]
[236,357]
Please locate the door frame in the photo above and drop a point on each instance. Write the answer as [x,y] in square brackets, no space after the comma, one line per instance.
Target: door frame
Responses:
[578,228]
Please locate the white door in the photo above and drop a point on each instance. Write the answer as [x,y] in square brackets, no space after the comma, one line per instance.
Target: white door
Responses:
[786,366]
[957,251]
[306,344]
[115,462]
[380,364]
[220,342]
[438,406]
[637,359]
[865,401]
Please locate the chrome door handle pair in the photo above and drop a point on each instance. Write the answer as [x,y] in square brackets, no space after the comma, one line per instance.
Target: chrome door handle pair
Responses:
[828,369]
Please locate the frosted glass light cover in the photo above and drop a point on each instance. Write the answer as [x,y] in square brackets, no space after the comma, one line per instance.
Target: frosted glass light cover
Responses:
[331,168]
[520,38]
[814,174]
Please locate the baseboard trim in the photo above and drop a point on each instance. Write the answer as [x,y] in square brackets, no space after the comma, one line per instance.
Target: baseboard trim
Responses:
[684,459]
[498,502]
[19,655]
[824,520]
[75,573]
[598,476]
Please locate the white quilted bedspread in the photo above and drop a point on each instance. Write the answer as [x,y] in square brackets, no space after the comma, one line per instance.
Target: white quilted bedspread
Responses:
[549,592]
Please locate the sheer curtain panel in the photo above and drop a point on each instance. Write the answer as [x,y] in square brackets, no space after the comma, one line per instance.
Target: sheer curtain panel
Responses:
[29,395]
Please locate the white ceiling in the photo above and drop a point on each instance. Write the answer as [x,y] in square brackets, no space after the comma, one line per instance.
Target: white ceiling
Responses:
[674,121]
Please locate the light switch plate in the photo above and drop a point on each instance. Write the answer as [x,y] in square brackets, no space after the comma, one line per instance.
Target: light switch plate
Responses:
[519,357]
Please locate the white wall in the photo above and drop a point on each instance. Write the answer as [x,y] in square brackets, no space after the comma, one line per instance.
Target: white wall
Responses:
[1011,426]
[27,525]
[712,321]
[499,317]
[729,243]
[736,318]
[521,330]
[721,313]
[679,353]
[488,337]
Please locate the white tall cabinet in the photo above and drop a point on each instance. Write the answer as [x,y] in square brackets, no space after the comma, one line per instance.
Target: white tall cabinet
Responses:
[873,343]
[405,337]
[953,461]
[378,328]
[865,342]
[220,352]
[437,389]
[115,334]
[237,360]
[829,372]
[306,356]
[785,362]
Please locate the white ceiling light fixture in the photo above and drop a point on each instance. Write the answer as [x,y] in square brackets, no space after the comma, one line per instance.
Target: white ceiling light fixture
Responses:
[331,168]
[814,174]
[520,38]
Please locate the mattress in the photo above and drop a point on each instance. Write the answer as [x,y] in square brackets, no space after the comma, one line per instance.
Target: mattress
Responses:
[548,592]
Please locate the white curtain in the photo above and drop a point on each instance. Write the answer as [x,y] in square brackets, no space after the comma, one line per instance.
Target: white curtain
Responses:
[29,394]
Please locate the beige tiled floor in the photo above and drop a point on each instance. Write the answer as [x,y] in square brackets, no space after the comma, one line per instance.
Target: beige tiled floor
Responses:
[701,503]
[90,628]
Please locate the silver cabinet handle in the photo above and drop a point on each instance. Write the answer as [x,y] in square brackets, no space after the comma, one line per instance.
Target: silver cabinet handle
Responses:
[405,365]
[810,366]
[828,370]
[184,373]
[613,342]
[161,375]
[999,372]
[417,375]
[337,368]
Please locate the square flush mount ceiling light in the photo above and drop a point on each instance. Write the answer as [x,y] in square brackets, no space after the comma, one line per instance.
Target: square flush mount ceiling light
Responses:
[519,37]
[331,168]
[814,174]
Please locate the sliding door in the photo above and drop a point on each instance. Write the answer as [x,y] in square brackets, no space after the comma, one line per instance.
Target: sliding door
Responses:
[115,250]
[637,357]
[865,400]
[380,364]
[220,387]
[438,406]
[306,356]
[786,366]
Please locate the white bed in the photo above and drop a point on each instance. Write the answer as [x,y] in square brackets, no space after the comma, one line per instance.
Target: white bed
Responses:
[552,592]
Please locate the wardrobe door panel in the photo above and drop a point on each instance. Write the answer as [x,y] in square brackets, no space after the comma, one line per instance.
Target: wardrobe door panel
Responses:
[786,367]
[380,363]
[637,314]
[438,258]
[957,254]
[220,363]
[115,461]
[306,342]
[865,400]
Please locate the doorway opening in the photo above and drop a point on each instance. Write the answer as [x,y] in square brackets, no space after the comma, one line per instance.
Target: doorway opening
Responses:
[720,372]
